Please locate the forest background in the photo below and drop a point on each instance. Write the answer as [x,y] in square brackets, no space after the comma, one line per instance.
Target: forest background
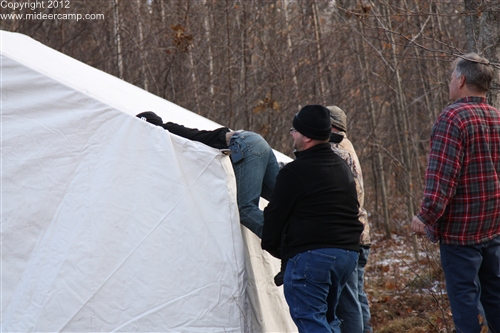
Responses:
[252,64]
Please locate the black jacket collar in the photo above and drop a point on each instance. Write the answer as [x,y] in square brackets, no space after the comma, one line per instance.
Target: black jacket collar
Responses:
[313,149]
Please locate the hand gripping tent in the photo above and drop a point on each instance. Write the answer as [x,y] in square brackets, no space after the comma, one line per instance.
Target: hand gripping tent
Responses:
[109,223]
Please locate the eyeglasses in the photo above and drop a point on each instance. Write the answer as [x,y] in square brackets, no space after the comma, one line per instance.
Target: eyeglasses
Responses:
[293,130]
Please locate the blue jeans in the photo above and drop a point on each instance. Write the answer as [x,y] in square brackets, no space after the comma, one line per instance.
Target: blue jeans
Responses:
[353,310]
[473,284]
[312,285]
[255,177]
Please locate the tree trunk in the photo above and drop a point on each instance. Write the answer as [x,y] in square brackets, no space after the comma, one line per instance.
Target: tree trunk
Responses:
[142,50]
[472,24]
[482,29]
[377,155]
[293,67]
[319,55]
[207,18]
[489,45]
[403,123]
[118,43]
[230,110]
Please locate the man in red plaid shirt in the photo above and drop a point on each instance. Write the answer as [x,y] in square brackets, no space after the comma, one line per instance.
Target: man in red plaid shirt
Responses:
[461,204]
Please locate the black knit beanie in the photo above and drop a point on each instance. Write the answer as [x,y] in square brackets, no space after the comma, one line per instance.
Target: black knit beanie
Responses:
[150,117]
[313,121]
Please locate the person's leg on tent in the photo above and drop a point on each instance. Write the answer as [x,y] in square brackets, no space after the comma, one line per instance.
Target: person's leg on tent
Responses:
[250,173]
[269,179]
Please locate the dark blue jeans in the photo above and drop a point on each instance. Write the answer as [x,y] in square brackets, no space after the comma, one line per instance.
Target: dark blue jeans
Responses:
[353,310]
[312,285]
[473,284]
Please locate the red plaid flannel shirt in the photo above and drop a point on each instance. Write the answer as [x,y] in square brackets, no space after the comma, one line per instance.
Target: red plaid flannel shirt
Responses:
[461,203]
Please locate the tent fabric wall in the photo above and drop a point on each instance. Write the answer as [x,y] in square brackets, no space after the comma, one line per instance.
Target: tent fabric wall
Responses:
[111,224]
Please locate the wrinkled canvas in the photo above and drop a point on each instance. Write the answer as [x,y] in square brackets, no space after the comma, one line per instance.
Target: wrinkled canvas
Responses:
[109,223]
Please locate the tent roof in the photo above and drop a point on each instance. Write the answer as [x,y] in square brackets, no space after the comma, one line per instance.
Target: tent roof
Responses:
[98,85]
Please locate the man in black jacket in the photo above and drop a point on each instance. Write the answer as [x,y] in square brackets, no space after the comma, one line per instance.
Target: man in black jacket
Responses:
[311,222]
[254,164]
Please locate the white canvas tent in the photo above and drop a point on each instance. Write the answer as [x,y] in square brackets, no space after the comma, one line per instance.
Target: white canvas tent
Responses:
[111,224]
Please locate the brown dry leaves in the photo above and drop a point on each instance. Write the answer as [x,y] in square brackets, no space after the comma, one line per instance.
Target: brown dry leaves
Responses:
[404,295]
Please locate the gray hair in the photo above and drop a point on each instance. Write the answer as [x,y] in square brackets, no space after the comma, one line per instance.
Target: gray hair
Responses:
[477,71]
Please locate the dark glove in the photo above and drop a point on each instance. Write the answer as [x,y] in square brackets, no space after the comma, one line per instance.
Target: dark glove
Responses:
[278,279]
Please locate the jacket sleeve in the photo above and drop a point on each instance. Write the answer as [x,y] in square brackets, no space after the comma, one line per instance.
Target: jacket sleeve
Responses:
[215,138]
[278,212]
[443,170]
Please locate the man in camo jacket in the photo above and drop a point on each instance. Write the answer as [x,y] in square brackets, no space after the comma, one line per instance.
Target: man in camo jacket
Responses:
[353,309]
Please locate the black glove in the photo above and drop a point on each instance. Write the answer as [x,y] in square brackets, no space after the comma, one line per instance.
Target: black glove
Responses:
[278,279]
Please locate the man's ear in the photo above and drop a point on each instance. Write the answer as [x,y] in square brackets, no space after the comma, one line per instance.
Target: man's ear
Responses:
[461,81]
[306,139]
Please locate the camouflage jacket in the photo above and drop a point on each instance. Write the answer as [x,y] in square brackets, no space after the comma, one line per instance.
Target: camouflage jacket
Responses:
[345,150]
